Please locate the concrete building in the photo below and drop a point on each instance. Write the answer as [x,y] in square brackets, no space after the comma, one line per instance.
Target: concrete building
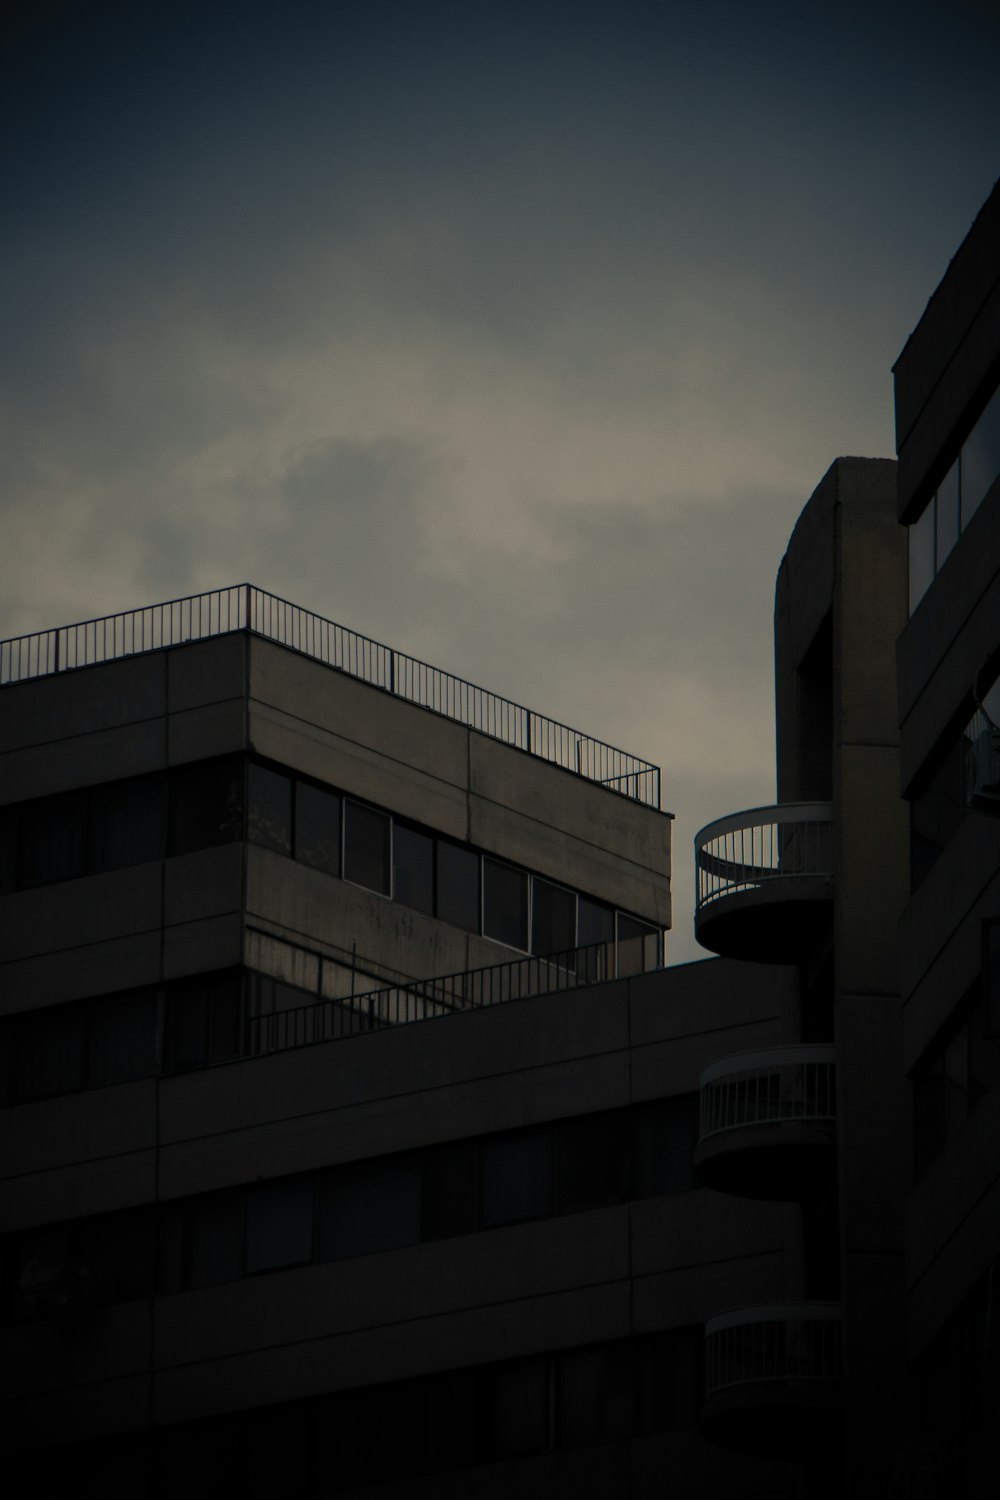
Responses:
[355,1139]
[947,383]
[260,1229]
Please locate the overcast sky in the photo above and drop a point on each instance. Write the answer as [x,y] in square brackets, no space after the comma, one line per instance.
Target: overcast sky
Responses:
[514,335]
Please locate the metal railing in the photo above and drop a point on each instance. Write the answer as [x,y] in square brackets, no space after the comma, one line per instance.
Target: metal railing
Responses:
[428,999]
[245,607]
[763,1088]
[748,849]
[796,1341]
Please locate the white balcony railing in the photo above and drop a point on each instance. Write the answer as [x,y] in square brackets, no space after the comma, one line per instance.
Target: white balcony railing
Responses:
[788,1342]
[748,851]
[768,1088]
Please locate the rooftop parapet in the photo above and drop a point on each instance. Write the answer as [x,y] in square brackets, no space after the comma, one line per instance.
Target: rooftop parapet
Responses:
[243,607]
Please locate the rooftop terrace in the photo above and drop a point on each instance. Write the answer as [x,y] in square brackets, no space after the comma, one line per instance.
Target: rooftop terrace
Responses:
[243,607]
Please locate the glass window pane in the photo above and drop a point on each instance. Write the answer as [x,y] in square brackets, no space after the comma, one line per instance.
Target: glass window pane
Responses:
[454,1419]
[206,804]
[128,823]
[413,868]
[8,849]
[521,1408]
[279,1224]
[122,1039]
[317,828]
[204,1020]
[505,904]
[553,925]
[595,923]
[448,1198]
[516,1176]
[269,809]
[667,1136]
[214,1235]
[458,886]
[593,1395]
[981,459]
[117,1256]
[638,946]
[368,1207]
[594,1154]
[669,1393]
[53,840]
[366,847]
[946,523]
[49,1053]
[40,1266]
[921,549]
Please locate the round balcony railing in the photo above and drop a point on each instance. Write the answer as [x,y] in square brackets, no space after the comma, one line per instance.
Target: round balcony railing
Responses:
[752,868]
[773,1375]
[765,1117]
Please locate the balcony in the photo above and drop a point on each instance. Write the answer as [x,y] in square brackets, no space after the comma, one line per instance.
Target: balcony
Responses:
[764,882]
[773,1378]
[768,1122]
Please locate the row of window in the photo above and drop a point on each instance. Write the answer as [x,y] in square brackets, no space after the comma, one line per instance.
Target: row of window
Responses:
[940,801]
[963,1065]
[433,1424]
[958,497]
[461,1188]
[215,802]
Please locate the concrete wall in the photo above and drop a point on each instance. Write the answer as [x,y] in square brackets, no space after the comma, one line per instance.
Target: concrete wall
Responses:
[578,1279]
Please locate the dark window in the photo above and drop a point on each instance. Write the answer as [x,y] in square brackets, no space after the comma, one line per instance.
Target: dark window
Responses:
[8,849]
[981,459]
[505,904]
[669,1383]
[520,1408]
[368,1207]
[946,519]
[594,1154]
[921,553]
[279,1224]
[553,925]
[122,1040]
[317,828]
[204,1020]
[638,946]
[413,868]
[366,847]
[128,823]
[213,1239]
[516,1178]
[936,810]
[458,886]
[593,1395]
[53,840]
[116,1257]
[269,809]
[667,1135]
[595,923]
[49,1053]
[206,804]
[448,1197]
[40,1273]
[454,1420]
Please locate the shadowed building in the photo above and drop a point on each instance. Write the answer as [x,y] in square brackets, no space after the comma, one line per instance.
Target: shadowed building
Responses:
[355,1139]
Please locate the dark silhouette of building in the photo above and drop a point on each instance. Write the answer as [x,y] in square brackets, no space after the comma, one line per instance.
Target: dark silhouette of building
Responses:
[356,1139]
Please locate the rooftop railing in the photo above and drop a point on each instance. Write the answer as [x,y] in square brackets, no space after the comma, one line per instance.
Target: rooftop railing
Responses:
[747,850]
[245,607]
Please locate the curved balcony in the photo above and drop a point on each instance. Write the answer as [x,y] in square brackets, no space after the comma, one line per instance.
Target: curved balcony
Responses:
[773,1377]
[768,1122]
[764,881]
